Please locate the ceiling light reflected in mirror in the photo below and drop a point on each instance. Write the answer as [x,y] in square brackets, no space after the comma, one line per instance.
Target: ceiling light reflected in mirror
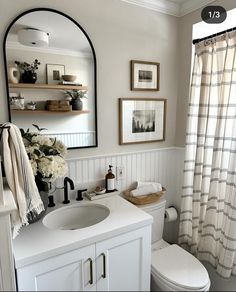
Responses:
[33,37]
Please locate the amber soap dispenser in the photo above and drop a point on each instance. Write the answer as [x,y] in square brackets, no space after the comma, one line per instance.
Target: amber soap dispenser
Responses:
[110,180]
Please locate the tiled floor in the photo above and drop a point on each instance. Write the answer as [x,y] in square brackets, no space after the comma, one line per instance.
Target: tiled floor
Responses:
[218,283]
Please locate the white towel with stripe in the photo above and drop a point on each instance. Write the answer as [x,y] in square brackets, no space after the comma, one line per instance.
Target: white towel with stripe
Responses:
[20,177]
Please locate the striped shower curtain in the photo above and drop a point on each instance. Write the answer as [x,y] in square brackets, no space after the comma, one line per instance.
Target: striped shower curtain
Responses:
[208,207]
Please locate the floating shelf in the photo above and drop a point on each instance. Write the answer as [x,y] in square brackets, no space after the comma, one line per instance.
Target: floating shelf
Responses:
[73,112]
[46,86]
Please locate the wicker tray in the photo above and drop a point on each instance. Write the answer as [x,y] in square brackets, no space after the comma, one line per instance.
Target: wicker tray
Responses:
[143,200]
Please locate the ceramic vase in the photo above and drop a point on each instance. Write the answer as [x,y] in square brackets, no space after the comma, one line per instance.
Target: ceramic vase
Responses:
[29,77]
[13,74]
[77,104]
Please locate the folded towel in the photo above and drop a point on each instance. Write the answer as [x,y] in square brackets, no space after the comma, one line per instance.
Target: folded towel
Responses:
[144,190]
[156,185]
[20,177]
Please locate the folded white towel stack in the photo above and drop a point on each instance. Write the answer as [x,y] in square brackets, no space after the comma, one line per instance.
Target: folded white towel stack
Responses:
[146,188]
[20,177]
[156,185]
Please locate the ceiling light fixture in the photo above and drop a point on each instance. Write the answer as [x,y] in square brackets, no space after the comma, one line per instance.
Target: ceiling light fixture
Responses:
[33,37]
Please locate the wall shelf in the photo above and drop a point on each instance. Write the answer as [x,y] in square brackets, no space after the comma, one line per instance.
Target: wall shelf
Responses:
[46,86]
[73,112]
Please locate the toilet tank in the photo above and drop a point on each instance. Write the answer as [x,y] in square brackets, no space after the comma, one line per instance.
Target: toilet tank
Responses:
[157,211]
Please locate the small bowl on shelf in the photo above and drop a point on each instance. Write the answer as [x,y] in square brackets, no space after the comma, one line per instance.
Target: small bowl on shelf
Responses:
[70,78]
[100,190]
[31,106]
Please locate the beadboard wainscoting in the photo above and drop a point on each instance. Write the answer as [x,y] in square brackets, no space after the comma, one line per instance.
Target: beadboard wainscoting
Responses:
[81,139]
[163,165]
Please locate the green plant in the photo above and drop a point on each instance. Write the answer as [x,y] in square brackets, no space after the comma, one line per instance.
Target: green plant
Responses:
[24,66]
[76,93]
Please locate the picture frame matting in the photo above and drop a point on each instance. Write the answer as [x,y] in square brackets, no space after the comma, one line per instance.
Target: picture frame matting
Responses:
[54,73]
[145,76]
[142,120]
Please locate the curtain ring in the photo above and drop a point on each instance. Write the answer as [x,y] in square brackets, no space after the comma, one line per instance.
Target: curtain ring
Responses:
[210,42]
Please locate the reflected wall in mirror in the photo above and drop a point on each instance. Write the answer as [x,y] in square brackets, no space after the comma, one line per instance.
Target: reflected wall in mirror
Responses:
[46,92]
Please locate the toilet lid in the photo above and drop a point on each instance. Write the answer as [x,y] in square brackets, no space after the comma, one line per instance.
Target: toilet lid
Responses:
[179,267]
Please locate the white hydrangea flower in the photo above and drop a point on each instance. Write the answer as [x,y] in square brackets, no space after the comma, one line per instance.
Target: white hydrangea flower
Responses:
[39,148]
[42,140]
[34,166]
[33,151]
[60,147]
[52,167]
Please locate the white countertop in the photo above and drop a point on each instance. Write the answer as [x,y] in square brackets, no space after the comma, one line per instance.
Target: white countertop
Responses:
[36,242]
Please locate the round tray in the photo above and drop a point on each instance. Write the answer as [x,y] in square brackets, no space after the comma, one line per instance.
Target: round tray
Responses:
[143,200]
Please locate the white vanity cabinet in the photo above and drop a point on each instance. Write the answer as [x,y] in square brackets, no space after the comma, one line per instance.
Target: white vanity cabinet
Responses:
[120,263]
[66,272]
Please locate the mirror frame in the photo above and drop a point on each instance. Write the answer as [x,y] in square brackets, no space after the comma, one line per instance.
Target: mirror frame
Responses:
[94,59]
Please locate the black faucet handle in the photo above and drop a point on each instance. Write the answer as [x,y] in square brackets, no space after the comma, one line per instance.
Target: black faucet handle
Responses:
[51,201]
[79,194]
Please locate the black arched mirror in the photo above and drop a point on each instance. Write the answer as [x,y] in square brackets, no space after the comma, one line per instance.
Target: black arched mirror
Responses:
[50,67]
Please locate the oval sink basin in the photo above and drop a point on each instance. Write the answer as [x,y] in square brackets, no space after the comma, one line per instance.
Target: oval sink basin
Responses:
[76,217]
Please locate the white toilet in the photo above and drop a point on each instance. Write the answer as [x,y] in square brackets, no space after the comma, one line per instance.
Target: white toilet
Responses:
[173,268]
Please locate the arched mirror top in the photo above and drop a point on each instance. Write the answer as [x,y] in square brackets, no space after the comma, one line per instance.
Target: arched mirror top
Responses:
[62,47]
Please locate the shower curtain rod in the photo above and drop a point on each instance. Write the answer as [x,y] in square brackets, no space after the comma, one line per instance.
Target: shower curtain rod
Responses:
[213,35]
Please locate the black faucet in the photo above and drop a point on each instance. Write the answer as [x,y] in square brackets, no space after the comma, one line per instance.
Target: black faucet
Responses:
[79,194]
[67,180]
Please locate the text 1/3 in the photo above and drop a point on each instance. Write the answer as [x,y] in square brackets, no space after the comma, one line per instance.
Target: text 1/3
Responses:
[214,14]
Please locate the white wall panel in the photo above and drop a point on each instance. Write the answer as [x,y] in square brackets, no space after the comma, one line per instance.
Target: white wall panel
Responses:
[161,165]
[78,139]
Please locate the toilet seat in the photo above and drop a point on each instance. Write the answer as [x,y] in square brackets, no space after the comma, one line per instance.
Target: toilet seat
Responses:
[179,270]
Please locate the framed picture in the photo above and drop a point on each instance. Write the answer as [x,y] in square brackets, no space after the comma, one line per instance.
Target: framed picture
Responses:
[145,75]
[54,73]
[141,120]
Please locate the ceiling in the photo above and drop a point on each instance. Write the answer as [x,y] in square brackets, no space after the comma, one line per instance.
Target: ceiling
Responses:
[63,33]
[172,7]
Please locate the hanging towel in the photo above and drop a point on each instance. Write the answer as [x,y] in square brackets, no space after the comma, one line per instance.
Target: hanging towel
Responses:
[156,185]
[20,177]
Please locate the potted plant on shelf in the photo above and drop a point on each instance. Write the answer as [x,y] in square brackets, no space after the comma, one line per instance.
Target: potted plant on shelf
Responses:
[28,74]
[75,96]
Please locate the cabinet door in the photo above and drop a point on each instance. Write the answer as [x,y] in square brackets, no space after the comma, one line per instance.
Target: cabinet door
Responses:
[70,271]
[124,262]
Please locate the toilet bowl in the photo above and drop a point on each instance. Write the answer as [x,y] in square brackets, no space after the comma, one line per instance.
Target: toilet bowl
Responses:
[173,268]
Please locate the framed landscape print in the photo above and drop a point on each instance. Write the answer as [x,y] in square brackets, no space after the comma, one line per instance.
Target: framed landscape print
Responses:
[145,75]
[54,73]
[141,120]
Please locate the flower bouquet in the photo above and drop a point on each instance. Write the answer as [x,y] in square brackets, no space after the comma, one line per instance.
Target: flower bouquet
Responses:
[47,157]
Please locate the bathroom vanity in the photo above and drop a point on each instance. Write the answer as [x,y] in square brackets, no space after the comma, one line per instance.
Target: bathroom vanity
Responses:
[114,254]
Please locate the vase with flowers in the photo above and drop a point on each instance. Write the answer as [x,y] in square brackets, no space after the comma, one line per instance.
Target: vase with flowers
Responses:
[76,96]
[47,159]
[28,71]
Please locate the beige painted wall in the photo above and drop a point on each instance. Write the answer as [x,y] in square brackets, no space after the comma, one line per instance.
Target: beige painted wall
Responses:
[185,48]
[119,32]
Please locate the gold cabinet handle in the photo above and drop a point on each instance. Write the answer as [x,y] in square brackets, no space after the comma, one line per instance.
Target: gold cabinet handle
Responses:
[104,265]
[91,271]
